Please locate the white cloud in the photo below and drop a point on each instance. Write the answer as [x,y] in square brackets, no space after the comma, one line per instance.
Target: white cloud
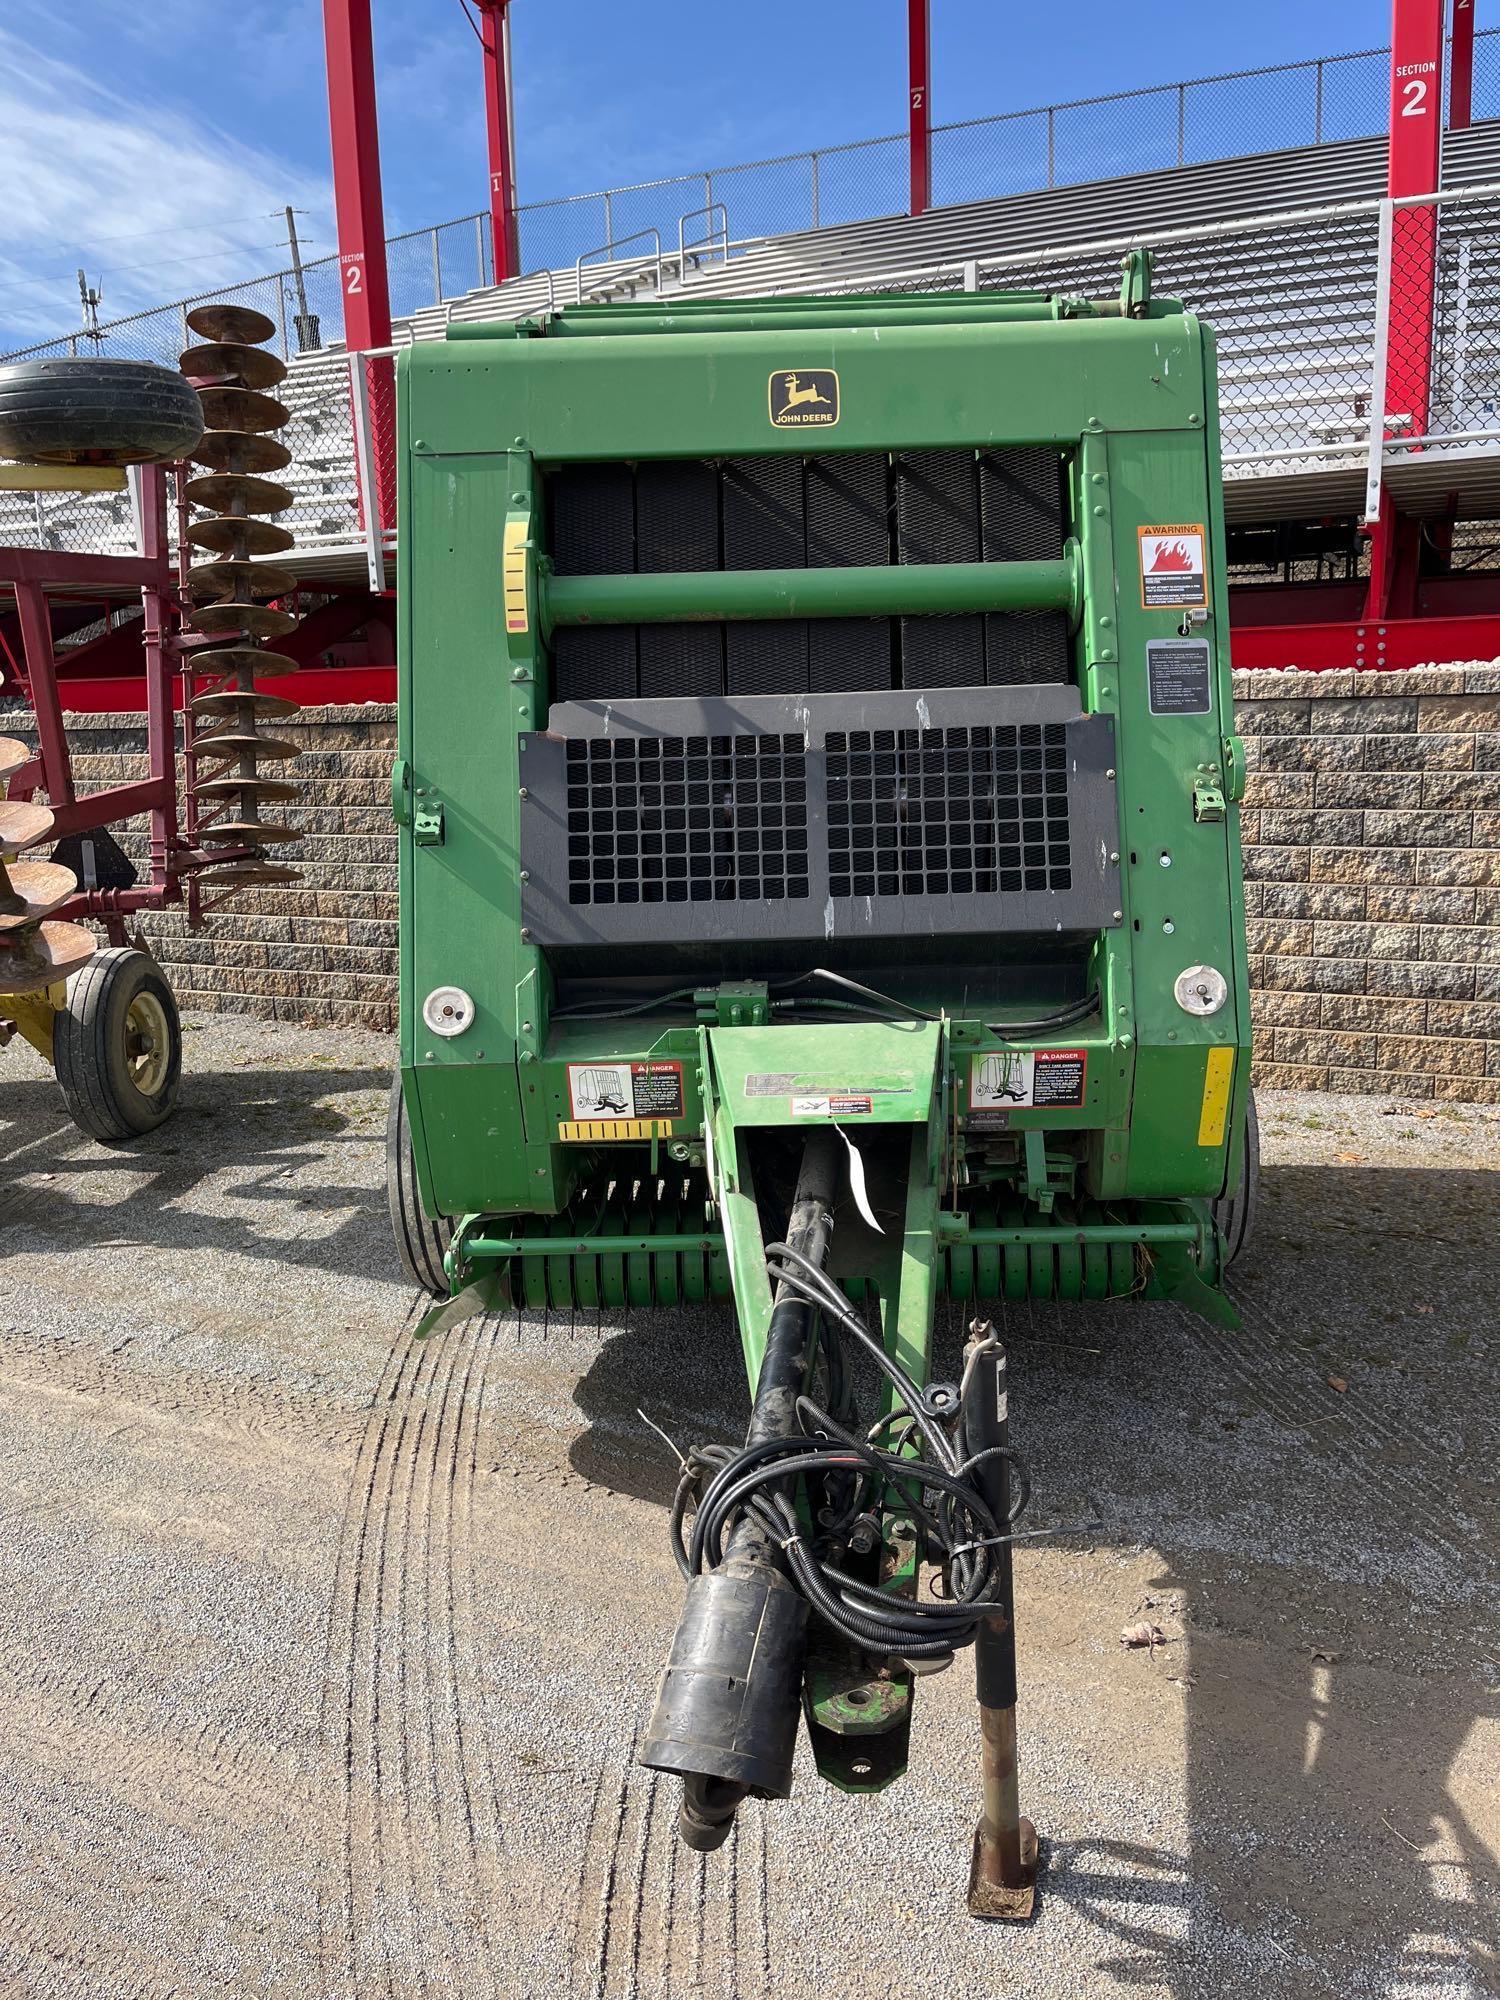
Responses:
[163,203]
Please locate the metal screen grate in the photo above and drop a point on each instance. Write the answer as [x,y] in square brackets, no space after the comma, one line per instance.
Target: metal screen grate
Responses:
[687,819]
[948,812]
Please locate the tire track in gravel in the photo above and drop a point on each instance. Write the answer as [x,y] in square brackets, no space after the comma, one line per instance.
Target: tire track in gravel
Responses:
[257,1407]
[1351,1431]
[418,1874]
[1279,1389]
[654,1920]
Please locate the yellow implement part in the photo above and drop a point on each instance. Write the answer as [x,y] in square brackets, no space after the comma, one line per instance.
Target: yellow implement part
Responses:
[33,1014]
[62,479]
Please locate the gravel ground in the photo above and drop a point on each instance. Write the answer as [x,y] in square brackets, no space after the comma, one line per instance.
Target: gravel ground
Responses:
[323,1654]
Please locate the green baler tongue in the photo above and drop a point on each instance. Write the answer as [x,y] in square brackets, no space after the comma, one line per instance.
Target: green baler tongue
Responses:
[855,1074]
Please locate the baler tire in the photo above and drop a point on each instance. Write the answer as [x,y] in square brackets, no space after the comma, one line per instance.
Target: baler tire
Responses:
[113,1091]
[74,410]
[1236,1213]
[420,1241]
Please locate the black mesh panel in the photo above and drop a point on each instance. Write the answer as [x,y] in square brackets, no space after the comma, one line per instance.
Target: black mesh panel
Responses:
[687,819]
[849,524]
[963,811]
[764,529]
[591,532]
[1022,516]
[677,528]
[937,521]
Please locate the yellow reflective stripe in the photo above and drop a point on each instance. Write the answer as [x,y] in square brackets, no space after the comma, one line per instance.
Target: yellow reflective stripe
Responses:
[514,573]
[575,1129]
[1217,1080]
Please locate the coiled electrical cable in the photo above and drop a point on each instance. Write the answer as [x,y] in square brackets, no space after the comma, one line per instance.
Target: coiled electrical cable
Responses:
[856,1474]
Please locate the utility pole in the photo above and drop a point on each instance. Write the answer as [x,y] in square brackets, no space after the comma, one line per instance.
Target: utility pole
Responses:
[91,297]
[309,331]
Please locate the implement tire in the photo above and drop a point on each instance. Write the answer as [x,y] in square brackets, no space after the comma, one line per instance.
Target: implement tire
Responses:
[1235,1213]
[88,411]
[117,1046]
[420,1241]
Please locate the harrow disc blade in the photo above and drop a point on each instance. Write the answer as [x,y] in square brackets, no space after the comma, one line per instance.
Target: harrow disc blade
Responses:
[247,875]
[31,890]
[247,660]
[221,492]
[242,410]
[216,580]
[257,621]
[250,833]
[236,453]
[254,366]
[33,959]
[223,321]
[13,755]
[22,825]
[244,743]
[239,536]
[229,701]
[267,791]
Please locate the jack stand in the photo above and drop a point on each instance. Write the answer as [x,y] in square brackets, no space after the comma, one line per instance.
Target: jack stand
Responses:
[1002,1875]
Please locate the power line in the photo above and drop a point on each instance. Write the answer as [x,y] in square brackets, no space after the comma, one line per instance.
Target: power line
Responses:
[227,245]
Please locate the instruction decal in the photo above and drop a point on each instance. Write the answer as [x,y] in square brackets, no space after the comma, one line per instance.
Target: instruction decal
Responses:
[804,398]
[1174,572]
[603,1092]
[835,1105]
[1179,678]
[1051,1078]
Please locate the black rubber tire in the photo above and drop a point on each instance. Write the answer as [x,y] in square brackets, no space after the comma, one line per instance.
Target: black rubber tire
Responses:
[89,1046]
[70,410]
[420,1241]
[1235,1213]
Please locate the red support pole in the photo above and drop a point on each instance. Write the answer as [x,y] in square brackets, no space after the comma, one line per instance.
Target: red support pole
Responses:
[919,72]
[1414,165]
[1461,68]
[500,135]
[361,222]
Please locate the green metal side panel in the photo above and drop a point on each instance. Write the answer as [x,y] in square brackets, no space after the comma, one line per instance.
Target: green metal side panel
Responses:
[683,395]
[457,731]
[1180,874]
[862,1073]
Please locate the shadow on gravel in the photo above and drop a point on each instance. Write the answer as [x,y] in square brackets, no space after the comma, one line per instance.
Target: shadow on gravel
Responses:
[238,1140]
[1316,1487]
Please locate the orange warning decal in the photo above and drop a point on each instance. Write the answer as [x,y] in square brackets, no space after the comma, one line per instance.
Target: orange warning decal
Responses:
[1174,567]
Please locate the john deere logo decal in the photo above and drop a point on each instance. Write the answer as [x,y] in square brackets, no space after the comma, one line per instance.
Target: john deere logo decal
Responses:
[802,397]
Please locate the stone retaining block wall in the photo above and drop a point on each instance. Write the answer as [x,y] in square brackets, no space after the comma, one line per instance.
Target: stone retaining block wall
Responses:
[1372,863]
[1372,857]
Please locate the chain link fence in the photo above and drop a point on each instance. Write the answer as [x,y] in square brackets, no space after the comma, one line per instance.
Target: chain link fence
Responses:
[1292,298]
[1234,116]
[1463,400]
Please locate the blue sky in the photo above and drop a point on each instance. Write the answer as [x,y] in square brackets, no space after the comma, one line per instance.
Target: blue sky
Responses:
[153,148]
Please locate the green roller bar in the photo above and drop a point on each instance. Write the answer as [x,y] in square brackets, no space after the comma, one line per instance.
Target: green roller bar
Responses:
[886,591]
[1064,1232]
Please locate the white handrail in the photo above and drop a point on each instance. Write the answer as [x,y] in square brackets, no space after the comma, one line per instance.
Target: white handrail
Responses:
[615,243]
[709,242]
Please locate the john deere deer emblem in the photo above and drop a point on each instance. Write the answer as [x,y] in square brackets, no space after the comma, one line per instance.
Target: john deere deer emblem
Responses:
[804,396]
